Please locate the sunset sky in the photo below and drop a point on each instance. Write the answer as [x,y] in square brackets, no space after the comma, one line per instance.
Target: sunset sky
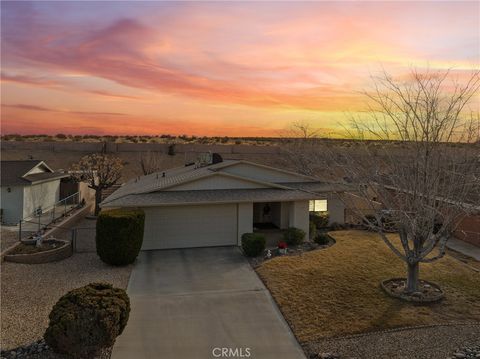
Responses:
[219,68]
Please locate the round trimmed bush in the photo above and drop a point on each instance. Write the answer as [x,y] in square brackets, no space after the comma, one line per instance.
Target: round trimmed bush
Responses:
[322,239]
[294,236]
[120,235]
[88,319]
[253,244]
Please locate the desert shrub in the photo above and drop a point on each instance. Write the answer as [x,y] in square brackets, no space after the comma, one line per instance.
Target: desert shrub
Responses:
[321,239]
[253,244]
[294,236]
[312,230]
[87,319]
[120,235]
[320,219]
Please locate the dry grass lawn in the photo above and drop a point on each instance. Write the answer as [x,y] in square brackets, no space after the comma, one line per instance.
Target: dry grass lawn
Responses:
[336,291]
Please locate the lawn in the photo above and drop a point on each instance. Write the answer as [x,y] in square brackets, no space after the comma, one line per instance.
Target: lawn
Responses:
[336,291]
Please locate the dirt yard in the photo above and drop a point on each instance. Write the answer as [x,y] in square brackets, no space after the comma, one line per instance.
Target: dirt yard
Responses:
[28,291]
[335,292]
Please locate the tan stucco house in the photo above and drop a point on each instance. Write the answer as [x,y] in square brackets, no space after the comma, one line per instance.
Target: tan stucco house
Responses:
[213,205]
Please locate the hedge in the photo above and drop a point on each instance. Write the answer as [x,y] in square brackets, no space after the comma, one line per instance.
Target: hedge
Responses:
[253,244]
[294,236]
[120,235]
[88,319]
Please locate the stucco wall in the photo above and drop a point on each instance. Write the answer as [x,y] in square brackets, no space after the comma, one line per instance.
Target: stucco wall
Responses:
[44,194]
[12,204]
[336,210]
[245,220]
[284,212]
[111,147]
[299,216]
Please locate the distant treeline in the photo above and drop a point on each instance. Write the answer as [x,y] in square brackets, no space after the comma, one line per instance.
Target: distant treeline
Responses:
[163,138]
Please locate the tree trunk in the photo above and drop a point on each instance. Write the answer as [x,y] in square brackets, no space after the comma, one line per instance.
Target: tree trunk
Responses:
[412,280]
[98,199]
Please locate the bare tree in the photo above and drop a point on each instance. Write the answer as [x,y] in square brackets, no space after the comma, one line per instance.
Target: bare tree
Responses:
[415,155]
[299,148]
[150,162]
[100,172]
[304,130]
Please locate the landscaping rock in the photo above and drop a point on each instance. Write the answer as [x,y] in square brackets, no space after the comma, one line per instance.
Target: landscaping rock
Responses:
[40,350]
[327,356]
[467,352]
[427,292]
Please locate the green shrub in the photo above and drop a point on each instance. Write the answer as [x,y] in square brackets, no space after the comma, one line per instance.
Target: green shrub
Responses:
[312,230]
[253,244]
[119,235]
[87,319]
[294,236]
[322,239]
[320,219]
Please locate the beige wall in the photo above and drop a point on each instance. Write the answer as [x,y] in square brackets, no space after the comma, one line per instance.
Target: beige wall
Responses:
[298,215]
[44,194]
[245,220]
[336,210]
[86,192]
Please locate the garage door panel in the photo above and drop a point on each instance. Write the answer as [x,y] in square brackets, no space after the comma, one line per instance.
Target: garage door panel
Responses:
[190,226]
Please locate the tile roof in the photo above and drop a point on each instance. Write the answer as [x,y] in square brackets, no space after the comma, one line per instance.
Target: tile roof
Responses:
[209,196]
[148,190]
[163,179]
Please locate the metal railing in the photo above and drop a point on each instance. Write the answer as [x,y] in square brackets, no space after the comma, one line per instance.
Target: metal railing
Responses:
[42,218]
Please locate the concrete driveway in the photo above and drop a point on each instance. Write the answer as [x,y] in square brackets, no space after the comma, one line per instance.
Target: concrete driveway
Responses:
[202,303]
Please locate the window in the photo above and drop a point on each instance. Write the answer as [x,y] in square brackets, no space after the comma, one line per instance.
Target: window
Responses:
[318,205]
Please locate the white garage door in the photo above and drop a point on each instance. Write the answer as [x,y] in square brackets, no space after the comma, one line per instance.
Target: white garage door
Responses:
[190,226]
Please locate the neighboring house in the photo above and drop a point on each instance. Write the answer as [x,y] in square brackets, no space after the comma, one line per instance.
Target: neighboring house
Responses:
[25,187]
[215,204]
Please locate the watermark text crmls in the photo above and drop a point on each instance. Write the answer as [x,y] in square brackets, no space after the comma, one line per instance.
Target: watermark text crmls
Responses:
[231,352]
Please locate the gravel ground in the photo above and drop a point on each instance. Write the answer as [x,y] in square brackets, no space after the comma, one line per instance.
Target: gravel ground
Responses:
[28,291]
[421,343]
[8,238]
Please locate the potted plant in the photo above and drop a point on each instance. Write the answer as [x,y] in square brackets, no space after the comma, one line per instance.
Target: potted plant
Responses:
[282,247]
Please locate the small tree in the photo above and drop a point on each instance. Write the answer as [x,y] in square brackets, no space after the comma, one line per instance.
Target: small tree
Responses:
[414,163]
[100,172]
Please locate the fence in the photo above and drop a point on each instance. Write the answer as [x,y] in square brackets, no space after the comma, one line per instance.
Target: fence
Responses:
[44,218]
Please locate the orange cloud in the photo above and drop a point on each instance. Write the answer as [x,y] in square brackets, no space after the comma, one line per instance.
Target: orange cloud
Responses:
[228,67]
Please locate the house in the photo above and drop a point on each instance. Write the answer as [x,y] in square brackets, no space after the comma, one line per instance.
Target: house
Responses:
[27,186]
[214,204]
